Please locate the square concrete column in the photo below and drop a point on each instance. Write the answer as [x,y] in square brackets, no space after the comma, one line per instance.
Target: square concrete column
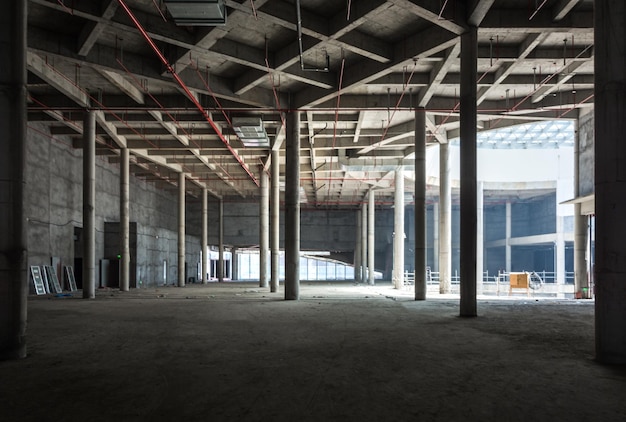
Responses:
[610,180]
[469,60]
[13,242]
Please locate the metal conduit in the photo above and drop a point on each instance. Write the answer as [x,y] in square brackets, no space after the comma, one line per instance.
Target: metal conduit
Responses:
[186,89]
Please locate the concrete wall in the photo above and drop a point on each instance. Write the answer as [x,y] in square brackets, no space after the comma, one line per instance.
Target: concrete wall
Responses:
[54,206]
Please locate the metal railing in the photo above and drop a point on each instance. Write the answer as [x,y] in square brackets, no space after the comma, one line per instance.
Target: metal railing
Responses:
[432,277]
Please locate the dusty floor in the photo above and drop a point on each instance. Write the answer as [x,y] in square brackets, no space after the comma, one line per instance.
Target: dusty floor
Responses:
[229,352]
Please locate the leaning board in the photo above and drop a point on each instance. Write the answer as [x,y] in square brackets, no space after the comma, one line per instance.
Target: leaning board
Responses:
[35,272]
[69,276]
[53,280]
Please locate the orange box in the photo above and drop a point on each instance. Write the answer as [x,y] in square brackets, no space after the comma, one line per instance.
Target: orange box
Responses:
[519,280]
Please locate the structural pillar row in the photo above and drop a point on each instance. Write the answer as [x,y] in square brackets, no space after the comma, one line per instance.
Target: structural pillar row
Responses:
[420,204]
[275,223]
[124,220]
[292,208]
[610,180]
[468,231]
[89,205]
[13,242]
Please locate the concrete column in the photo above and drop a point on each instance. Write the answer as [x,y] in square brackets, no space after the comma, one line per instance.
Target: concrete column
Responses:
[292,208]
[507,240]
[420,204]
[364,246]
[264,230]
[435,230]
[480,245]
[469,55]
[275,217]
[610,180]
[205,235]
[357,248]
[89,204]
[445,220]
[220,259]
[371,250]
[398,230]
[181,229]
[124,220]
[234,264]
[581,239]
[13,242]
[581,229]
[559,251]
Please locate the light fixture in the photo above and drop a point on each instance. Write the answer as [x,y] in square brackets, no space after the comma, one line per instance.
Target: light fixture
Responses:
[251,132]
[197,12]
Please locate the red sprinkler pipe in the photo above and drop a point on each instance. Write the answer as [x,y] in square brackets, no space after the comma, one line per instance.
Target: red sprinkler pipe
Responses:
[186,89]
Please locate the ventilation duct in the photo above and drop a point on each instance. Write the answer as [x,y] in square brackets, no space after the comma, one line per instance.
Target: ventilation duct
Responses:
[197,13]
[251,131]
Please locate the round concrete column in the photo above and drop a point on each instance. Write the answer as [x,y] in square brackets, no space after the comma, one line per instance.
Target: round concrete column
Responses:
[124,220]
[398,230]
[89,205]
[420,204]
[264,230]
[275,217]
[205,235]
[469,59]
[181,229]
[610,180]
[371,250]
[13,242]
[292,208]
[445,220]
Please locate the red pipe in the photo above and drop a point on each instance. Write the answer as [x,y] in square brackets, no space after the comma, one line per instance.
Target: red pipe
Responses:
[186,89]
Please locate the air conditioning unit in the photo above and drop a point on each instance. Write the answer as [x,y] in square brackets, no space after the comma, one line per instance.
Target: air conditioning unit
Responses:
[251,131]
[197,13]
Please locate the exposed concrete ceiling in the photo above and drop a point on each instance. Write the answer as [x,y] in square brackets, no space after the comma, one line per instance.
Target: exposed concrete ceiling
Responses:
[384,58]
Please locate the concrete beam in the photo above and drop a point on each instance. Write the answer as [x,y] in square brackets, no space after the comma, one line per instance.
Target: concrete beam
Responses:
[54,77]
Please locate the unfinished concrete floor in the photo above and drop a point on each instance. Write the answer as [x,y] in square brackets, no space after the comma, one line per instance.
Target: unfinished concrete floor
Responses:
[232,351]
